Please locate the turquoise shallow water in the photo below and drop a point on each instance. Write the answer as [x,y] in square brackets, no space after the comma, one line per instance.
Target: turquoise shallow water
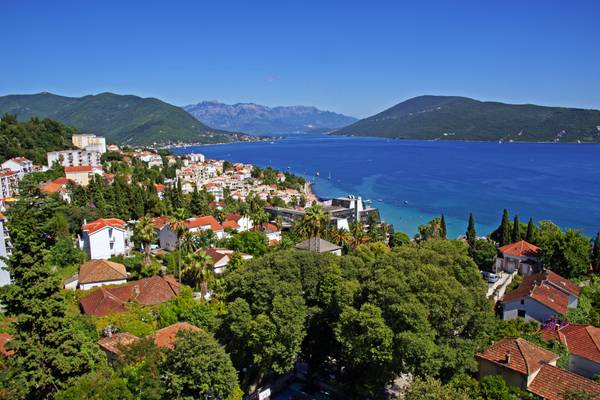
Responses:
[558,182]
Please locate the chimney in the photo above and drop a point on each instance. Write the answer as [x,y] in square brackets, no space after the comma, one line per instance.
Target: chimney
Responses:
[507,359]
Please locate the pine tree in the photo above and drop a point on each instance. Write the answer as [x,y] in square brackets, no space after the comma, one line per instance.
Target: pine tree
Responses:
[505,234]
[471,234]
[596,254]
[516,232]
[530,231]
[443,231]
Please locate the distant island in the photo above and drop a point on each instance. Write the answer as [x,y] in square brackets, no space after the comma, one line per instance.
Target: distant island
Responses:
[257,119]
[123,119]
[462,118]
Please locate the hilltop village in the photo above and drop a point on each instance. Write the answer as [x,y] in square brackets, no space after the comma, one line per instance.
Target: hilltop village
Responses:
[130,273]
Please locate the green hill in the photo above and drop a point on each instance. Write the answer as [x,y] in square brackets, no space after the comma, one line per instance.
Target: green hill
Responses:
[461,118]
[121,119]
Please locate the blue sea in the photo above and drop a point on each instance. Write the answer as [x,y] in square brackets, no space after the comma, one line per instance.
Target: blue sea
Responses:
[412,182]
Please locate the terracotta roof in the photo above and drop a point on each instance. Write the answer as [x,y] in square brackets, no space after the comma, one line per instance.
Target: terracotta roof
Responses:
[543,290]
[101,271]
[115,343]
[520,249]
[207,220]
[2,217]
[165,337]
[217,254]
[159,187]
[230,224]
[581,340]
[103,223]
[78,168]
[525,357]
[20,160]
[5,338]
[7,172]
[552,383]
[147,291]
[160,222]
[233,217]
[561,282]
[55,185]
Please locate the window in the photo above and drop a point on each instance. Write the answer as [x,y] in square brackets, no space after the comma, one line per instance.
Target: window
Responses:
[522,301]
[521,313]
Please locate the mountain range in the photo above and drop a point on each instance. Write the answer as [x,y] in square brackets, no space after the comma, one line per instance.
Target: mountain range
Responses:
[122,119]
[462,118]
[258,119]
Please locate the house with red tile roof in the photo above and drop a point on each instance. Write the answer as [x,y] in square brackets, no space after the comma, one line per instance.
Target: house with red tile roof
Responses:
[521,256]
[114,344]
[105,238]
[59,185]
[167,238]
[20,165]
[148,291]
[9,181]
[222,257]
[204,223]
[160,190]
[165,337]
[4,349]
[96,273]
[532,368]
[540,297]
[583,343]
[272,232]
[82,174]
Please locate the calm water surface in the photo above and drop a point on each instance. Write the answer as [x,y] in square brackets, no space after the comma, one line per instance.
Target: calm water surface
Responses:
[414,181]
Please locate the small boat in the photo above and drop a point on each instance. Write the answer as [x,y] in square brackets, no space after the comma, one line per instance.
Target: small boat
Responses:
[329,176]
[317,174]
[405,201]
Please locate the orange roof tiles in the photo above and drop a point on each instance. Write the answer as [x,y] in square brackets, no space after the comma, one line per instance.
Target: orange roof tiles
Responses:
[230,224]
[147,291]
[101,271]
[581,340]
[4,339]
[78,168]
[115,343]
[159,187]
[561,282]
[160,222]
[165,337]
[233,217]
[520,249]
[207,220]
[552,383]
[525,357]
[101,223]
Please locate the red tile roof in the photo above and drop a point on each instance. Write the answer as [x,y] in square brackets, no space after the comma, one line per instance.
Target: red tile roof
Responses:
[54,186]
[159,187]
[230,224]
[520,249]
[581,340]
[525,357]
[78,168]
[160,222]
[544,288]
[165,337]
[207,220]
[101,271]
[217,254]
[101,223]
[7,172]
[5,338]
[552,383]
[117,342]
[233,217]
[147,291]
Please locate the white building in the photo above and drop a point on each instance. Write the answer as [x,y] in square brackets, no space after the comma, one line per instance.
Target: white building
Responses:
[89,142]
[105,238]
[96,273]
[21,165]
[9,183]
[222,257]
[167,238]
[521,256]
[205,223]
[4,251]
[193,158]
[74,158]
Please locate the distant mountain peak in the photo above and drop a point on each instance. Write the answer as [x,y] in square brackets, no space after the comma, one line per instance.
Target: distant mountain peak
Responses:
[260,119]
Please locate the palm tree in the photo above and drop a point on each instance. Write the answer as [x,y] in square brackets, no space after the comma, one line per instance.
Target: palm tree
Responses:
[145,233]
[357,235]
[179,227]
[259,218]
[341,237]
[314,222]
[198,268]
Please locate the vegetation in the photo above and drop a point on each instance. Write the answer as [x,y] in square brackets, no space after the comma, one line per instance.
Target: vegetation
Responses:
[121,119]
[32,139]
[461,118]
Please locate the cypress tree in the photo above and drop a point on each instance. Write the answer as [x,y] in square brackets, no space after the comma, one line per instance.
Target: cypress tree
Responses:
[530,231]
[443,231]
[516,233]
[471,234]
[596,254]
[505,234]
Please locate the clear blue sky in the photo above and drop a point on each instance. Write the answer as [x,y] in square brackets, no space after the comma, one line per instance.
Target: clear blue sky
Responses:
[353,57]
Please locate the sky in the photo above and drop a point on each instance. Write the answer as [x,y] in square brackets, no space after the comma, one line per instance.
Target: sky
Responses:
[353,57]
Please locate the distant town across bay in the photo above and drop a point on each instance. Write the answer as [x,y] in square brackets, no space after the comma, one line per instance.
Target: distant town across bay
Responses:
[413,181]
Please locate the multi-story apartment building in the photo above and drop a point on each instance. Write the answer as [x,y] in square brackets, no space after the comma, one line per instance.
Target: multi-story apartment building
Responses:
[5,250]
[21,165]
[9,181]
[89,142]
[74,158]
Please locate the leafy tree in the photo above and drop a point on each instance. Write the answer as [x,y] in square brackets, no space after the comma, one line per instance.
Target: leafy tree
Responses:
[250,242]
[530,231]
[145,233]
[314,222]
[433,389]
[97,385]
[198,270]
[596,254]
[566,253]
[504,230]
[516,231]
[198,366]
[399,239]
[434,229]
[484,254]
[471,235]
